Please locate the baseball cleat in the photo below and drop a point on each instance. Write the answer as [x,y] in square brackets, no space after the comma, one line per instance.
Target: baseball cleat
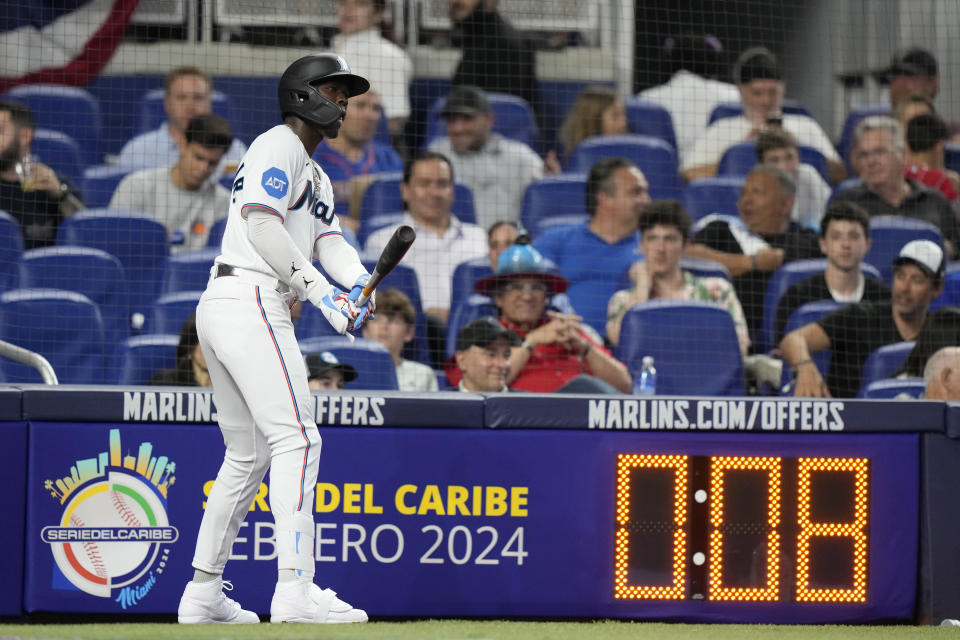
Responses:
[303,601]
[205,603]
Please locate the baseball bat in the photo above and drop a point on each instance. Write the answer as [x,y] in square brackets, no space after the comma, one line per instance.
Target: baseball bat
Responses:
[390,257]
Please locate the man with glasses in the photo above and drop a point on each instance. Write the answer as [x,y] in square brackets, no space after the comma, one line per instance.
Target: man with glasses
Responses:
[879,159]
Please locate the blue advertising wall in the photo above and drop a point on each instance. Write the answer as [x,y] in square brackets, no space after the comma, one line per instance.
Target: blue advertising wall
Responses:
[424,510]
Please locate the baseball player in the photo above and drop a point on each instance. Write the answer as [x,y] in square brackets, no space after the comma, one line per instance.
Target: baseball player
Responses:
[281,214]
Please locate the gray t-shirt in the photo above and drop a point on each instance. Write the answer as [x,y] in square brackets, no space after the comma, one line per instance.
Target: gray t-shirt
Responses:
[186,214]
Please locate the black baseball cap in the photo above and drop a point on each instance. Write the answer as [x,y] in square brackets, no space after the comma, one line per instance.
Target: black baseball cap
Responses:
[756,63]
[484,332]
[319,363]
[912,61]
[465,100]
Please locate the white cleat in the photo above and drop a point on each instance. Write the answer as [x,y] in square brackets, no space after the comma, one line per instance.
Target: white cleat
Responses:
[303,601]
[205,603]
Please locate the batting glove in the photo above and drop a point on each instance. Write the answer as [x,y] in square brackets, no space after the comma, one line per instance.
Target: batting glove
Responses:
[365,311]
[357,314]
[323,296]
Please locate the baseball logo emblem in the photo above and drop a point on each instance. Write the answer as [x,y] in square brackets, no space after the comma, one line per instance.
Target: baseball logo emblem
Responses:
[113,538]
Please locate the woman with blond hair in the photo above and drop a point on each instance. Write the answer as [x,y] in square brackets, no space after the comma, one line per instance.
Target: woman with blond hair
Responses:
[598,111]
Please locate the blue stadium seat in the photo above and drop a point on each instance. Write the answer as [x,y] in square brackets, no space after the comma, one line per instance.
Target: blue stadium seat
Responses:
[693,344]
[64,327]
[554,200]
[781,280]
[134,238]
[216,233]
[650,119]
[731,109]
[70,110]
[951,288]
[61,153]
[850,123]
[100,183]
[656,158]
[951,156]
[882,363]
[11,246]
[140,357]
[712,195]
[700,267]
[512,118]
[811,312]
[91,272]
[895,388]
[150,112]
[465,276]
[383,197]
[474,307]
[888,234]
[189,270]
[170,311]
[374,365]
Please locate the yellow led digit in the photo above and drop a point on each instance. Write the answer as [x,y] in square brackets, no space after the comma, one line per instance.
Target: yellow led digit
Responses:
[855,530]
[625,464]
[716,588]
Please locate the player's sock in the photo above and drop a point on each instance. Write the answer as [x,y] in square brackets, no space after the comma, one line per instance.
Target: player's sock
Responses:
[204,576]
[287,575]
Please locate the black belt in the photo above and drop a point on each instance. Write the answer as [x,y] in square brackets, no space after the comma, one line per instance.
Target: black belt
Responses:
[224,270]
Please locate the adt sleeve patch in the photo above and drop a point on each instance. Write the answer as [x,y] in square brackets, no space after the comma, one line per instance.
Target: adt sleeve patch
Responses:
[275,182]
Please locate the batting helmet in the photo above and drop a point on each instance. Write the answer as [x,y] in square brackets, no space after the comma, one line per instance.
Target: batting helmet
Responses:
[299,96]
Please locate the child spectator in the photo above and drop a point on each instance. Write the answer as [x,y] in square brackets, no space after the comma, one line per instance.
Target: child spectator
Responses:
[392,326]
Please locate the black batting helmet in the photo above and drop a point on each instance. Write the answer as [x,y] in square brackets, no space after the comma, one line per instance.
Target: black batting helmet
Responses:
[298,95]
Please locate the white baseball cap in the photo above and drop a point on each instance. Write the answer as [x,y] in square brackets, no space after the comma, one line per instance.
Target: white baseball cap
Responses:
[925,254]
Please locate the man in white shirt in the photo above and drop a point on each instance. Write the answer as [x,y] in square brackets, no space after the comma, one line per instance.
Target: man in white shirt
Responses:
[187,93]
[761,86]
[186,198]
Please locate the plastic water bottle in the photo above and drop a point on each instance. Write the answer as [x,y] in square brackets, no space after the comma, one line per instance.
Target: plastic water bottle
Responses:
[646,382]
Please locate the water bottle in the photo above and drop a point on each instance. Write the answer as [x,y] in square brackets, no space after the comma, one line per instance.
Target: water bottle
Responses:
[646,383]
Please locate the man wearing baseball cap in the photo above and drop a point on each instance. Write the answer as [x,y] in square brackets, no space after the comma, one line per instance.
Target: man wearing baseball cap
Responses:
[854,331]
[325,372]
[483,355]
[912,71]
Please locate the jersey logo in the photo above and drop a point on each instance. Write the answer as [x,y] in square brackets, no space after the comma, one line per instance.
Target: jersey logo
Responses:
[275,182]
[293,268]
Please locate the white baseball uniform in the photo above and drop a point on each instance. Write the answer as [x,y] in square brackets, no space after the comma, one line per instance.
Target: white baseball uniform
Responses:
[258,374]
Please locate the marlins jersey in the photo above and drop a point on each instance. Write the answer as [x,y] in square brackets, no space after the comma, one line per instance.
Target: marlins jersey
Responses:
[277,176]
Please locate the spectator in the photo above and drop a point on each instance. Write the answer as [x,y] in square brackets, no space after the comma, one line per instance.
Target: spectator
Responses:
[912,71]
[191,367]
[495,168]
[326,373]
[393,327]
[494,56]
[388,67]
[693,90]
[779,148]
[187,94]
[664,229]
[879,159]
[925,156]
[558,353]
[942,375]
[353,158]
[442,240]
[186,198]
[942,329]
[844,240]
[593,255]
[483,355]
[597,111]
[853,332]
[30,191]
[502,234]
[761,86]
[757,243]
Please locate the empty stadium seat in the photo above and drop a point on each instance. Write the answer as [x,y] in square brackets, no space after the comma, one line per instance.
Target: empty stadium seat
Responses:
[888,234]
[11,246]
[732,109]
[374,364]
[70,110]
[140,357]
[693,344]
[170,311]
[215,238]
[802,316]
[189,270]
[882,363]
[650,119]
[554,200]
[712,195]
[512,118]
[64,327]
[474,307]
[781,280]
[61,153]
[151,114]
[99,184]
[850,123]
[134,238]
[656,158]
[895,388]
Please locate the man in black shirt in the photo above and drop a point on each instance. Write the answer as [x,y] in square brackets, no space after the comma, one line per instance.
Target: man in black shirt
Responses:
[844,240]
[854,331]
[754,245]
